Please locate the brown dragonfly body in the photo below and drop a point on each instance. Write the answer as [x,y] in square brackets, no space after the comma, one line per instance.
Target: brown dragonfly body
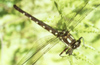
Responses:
[64,36]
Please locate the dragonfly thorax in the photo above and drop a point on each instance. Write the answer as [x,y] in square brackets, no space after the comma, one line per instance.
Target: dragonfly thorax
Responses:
[69,40]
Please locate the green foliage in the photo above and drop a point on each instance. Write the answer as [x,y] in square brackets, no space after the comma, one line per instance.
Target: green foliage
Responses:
[18,33]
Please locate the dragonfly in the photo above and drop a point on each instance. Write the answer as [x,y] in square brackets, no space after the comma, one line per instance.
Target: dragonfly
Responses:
[64,36]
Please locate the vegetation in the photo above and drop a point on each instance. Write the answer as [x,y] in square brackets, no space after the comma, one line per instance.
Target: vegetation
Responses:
[18,34]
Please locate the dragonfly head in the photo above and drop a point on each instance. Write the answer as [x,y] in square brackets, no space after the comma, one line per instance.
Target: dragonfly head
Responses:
[77,43]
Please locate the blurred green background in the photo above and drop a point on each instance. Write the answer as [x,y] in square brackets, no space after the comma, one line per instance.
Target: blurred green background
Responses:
[18,33]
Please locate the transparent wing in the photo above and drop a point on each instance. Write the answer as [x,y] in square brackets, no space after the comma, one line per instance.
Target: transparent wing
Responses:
[67,19]
[72,19]
[78,11]
[40,47]
[78,19]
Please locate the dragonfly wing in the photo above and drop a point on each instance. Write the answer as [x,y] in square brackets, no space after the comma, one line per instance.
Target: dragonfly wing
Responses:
[78,11]
[77,20]
[67,20]
[40,47]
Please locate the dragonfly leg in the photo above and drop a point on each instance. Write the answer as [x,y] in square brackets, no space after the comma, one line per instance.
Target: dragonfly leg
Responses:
[69,51]
[63,51]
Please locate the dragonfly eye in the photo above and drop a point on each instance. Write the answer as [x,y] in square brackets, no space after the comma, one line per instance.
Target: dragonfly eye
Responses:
[77,44]
[74,47]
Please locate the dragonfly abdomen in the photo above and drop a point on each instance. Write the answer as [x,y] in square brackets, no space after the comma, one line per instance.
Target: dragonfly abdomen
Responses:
[45,26]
